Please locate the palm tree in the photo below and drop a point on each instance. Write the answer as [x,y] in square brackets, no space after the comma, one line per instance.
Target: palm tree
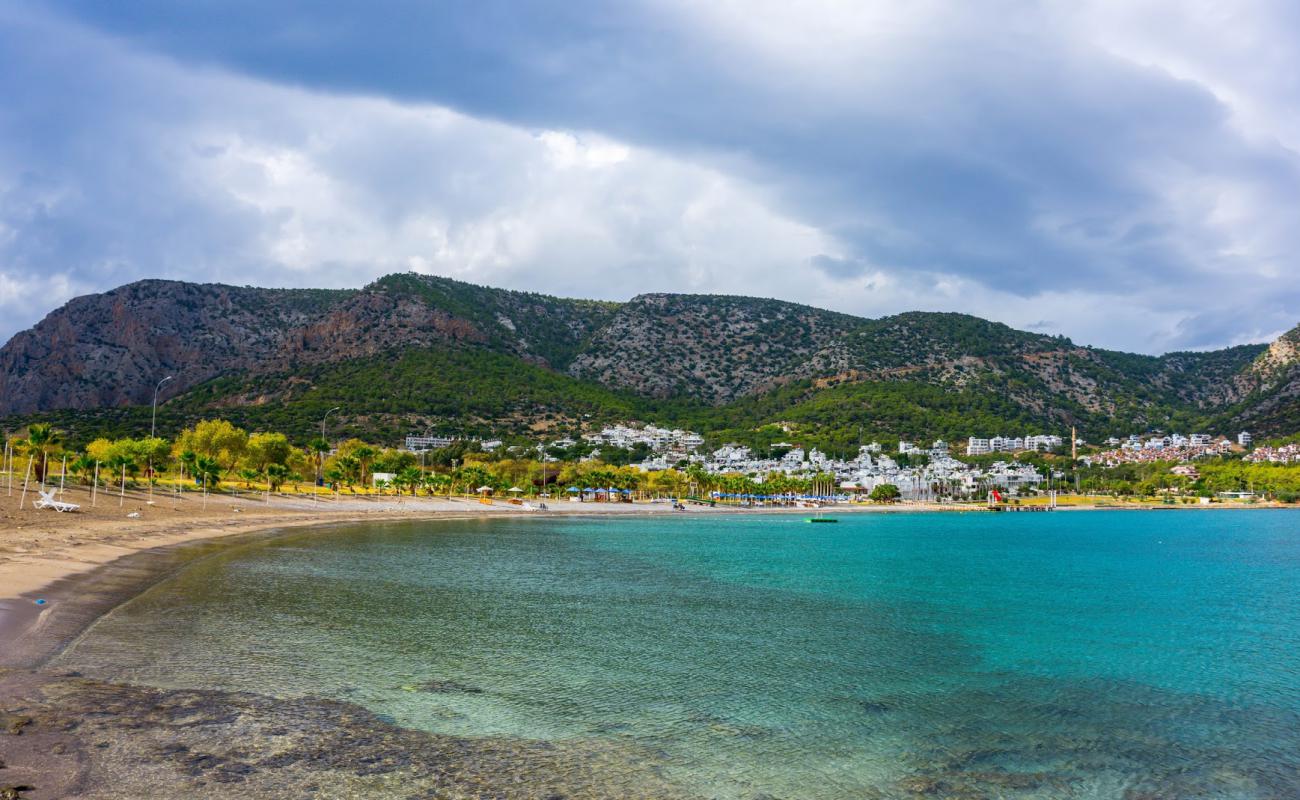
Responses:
[123,465]
[473,477]
[436,480]
[208,471]
[364,455]
[83,466]
[41,442]
[334,476]
[318,447]
[276,475]
[411,478]
[349,468]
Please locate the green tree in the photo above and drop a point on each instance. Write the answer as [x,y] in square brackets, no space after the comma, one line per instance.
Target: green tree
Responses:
[409,478]
[437,481]
[215,439]
[885,493]
[318,447]
[42,441]
[364,455]
[265,449]
[208,471]
[123,464]
[276,475]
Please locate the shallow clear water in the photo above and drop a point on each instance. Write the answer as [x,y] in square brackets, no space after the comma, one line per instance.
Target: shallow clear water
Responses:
[1126,654]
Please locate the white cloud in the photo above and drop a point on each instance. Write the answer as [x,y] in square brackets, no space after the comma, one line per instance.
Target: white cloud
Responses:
[1115,171]
[282,186]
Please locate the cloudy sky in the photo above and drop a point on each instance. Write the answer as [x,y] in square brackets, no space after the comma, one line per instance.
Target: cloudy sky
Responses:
[1124,172]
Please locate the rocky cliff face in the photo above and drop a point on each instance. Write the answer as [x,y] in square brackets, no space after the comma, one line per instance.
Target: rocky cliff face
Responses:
[1267,394]
[111,349]
[1279,358]
[709,347]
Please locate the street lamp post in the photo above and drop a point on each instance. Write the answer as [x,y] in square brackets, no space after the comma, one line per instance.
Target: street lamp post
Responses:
[425,448]
[153,424]
[320,461]
[153,433]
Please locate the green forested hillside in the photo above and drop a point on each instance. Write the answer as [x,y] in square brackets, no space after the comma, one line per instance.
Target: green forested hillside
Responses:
[413,352]
[466,391]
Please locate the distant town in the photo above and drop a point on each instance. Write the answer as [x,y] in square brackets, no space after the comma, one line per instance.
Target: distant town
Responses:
[920,472]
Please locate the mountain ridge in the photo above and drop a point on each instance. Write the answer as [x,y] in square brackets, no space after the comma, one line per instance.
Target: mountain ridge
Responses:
[656,351]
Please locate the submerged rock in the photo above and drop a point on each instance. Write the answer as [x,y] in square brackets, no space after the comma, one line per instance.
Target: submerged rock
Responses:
[13,724]
[197,743]
[447,687]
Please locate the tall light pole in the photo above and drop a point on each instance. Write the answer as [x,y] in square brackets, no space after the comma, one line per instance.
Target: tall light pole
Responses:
[320,462]
[153,425]
[425,448]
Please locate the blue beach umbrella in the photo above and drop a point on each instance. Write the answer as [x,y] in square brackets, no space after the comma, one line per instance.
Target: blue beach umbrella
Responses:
[572,490]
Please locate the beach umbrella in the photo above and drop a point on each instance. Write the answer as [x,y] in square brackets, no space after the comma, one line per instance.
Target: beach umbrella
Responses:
[485,488]
[514,489]
[573,490]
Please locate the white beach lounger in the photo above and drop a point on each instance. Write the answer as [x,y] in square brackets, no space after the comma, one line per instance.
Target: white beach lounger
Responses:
[47,501]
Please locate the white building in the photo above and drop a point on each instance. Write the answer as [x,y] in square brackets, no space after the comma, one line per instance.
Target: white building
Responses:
[1043,442]
[417,444]
[1245,439]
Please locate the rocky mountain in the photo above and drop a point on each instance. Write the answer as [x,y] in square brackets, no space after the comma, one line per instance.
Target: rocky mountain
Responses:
[411,348]
[1267,394]
[110,349]
[709,347]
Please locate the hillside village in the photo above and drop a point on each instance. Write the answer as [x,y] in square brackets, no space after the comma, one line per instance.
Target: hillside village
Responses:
[935,474]
[920,473]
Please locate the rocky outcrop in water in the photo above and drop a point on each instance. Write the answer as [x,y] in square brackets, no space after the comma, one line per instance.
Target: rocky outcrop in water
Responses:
[100,741]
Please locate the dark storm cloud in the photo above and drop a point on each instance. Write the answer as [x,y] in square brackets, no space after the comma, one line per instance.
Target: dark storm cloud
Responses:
[1022,150]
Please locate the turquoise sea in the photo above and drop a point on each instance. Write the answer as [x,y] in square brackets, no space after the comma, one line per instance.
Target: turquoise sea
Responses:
[1098,655]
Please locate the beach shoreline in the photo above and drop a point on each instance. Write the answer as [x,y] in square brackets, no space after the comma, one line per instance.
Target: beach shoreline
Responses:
[40,548]
[48,559]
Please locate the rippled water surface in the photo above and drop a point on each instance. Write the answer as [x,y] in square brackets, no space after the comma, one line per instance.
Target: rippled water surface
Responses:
[1106,655]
